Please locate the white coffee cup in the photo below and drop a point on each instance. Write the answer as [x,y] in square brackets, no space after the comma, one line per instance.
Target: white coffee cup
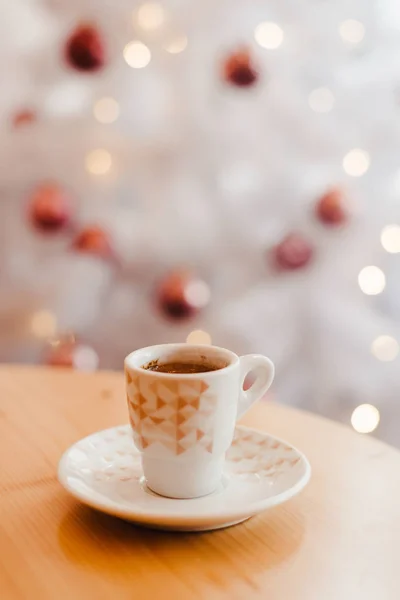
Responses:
[182,423]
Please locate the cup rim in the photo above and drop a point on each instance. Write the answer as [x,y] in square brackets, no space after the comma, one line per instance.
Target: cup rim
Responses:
[138,369]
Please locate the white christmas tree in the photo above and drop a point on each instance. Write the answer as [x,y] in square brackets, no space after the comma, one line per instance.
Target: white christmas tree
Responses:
[224,166]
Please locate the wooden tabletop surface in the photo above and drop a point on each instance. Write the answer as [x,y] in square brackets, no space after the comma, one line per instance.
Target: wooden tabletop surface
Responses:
[338,540]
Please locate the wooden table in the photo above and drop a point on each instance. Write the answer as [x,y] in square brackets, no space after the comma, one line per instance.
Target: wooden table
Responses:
[338,540]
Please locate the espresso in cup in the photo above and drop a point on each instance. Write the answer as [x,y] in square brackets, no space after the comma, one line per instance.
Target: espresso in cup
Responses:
[182,367]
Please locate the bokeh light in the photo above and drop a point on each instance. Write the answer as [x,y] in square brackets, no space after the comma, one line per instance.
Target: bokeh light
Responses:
[385,348]
[352,31]
[371,280]
[197,293]
[137,55]
[365,418]
[268,35]
[356,162]
[106,110]
[199,337]
[177,44]
[85,358]
[390,238]
[98,162]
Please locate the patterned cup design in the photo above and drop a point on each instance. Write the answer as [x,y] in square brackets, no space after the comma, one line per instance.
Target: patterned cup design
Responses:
[177,414]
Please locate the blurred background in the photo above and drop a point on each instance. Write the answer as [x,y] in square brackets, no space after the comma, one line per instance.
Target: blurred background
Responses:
[213,171]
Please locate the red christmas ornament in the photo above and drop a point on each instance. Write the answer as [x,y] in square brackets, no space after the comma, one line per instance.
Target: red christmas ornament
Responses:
[84,49]
[66,352]
[331,208]
[60,353]
[239,69]
[293,252]
[181,295]
[23,117]
[94,240]
[50,208]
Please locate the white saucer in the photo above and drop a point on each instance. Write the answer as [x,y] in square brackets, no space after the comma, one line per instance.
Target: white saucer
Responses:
[104,471]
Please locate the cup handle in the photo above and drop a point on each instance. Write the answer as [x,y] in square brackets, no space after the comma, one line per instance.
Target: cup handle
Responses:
[264,371]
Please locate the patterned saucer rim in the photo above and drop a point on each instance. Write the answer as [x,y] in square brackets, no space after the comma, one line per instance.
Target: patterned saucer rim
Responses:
[207,520]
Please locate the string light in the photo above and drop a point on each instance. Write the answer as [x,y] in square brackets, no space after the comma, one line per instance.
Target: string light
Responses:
[352,31]
[268,35]
[365,418]
[199,337]
[321,100]
[390,238]
[197,293]
[43,324]
[385,348]
[176,45]
[137,55]
[98,162]
[371,280]
[106,110]
[356,162]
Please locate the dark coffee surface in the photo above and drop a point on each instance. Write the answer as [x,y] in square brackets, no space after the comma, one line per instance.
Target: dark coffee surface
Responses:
[181,367]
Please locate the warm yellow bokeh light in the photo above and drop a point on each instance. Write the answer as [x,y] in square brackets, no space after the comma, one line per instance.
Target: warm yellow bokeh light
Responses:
[390,238]
[177,44]
[137,55]
[150,16]
[106,110]
[199,337]
[98,162]
[352,31]
[365,418]
[385,348]
[43,324]
[371,280]
[321,100]
[268,35]
[356,162]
